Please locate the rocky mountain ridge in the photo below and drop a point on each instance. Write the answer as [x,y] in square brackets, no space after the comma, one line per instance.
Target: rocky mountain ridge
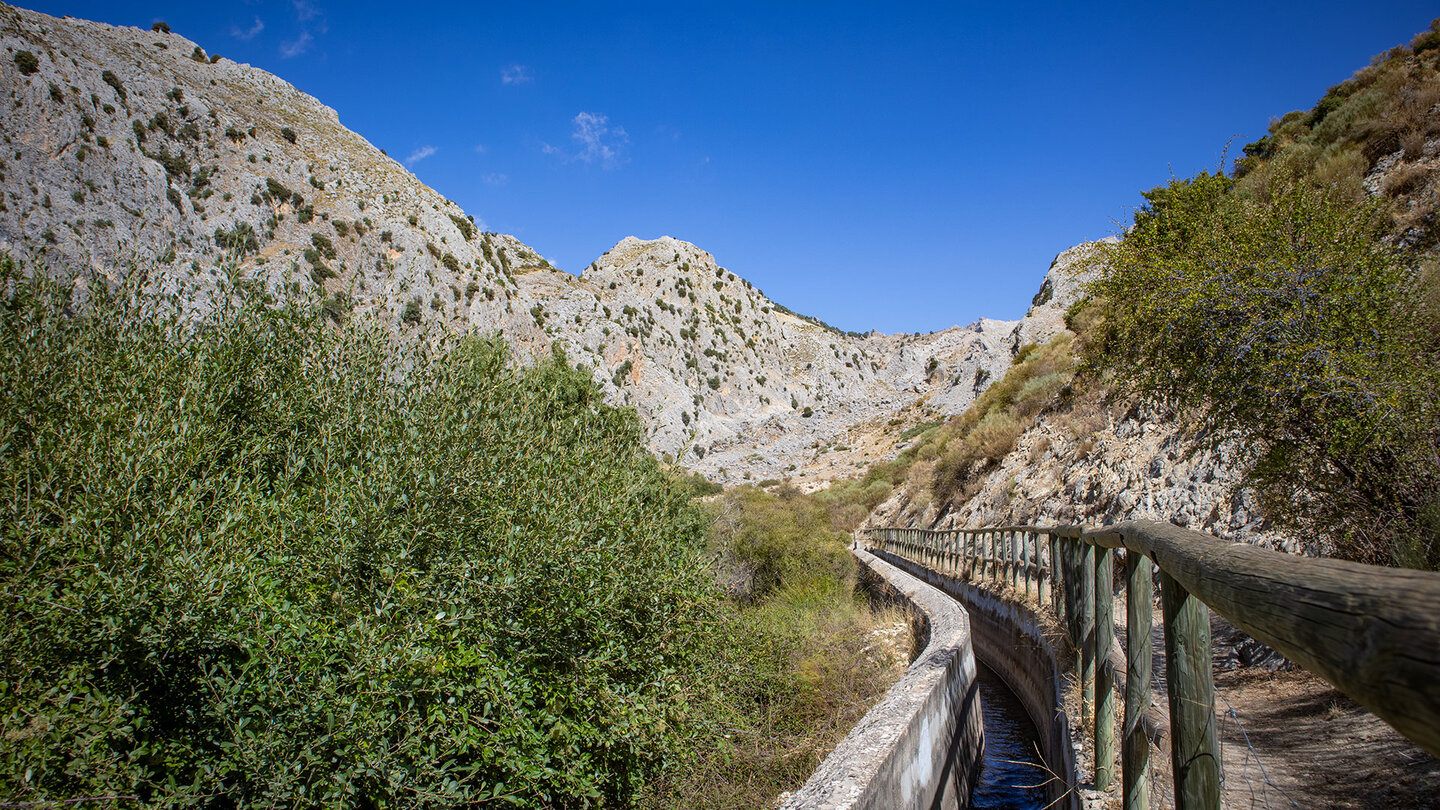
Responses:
[129,151]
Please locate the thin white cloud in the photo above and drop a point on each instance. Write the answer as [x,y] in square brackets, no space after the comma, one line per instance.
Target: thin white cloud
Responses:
[495,179]
[420,154]
[311,21]
[479,148]
[599,141]
[296,46]
[305,10]
[249,33]
[516,74]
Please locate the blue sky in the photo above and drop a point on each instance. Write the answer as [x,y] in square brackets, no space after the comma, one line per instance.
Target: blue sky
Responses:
[896,166]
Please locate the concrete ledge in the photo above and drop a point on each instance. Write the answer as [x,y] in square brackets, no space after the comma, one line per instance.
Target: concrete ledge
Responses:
[1010,639]
[923,743]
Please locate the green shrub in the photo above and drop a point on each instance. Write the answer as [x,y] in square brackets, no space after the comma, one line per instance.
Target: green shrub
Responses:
[198,54]
[323,244]
[26,62]
[1284,320]
[277,190]
[245,562]
[467,228]
[411,313]
[160,27]
[288,134]
[239,240]
[114,82]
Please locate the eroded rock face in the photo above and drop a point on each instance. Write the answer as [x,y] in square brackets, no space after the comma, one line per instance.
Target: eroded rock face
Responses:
[129,152]
[1129,465]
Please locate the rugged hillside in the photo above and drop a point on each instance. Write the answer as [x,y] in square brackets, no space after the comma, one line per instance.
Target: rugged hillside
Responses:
[131,151]
[1086,460]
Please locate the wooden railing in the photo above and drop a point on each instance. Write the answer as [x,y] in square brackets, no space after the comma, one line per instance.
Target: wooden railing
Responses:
[1372,632]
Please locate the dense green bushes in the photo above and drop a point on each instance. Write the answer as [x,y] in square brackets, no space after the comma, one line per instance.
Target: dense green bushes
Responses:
[1281,318]
[802,656]
[251,562]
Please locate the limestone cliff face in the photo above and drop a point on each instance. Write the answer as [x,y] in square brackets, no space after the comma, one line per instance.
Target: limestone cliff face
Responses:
[130,152]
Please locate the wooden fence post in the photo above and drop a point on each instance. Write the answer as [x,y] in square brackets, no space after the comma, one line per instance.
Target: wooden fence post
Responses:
[1071,584]
[1194,753]
[1087,630]
[1057,582]
[1104,677]
[1014,559]
[1135,751]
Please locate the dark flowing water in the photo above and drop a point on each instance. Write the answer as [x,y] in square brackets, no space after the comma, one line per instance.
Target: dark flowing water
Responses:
[1012,776]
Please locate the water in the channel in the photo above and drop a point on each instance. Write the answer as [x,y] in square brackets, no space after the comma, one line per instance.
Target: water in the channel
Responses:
[1012,776]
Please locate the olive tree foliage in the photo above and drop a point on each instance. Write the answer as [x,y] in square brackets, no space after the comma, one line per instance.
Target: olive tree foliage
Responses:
[1282,319]
[252,562]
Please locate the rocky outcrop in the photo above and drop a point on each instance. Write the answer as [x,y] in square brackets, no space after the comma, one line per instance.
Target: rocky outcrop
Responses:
[131,153]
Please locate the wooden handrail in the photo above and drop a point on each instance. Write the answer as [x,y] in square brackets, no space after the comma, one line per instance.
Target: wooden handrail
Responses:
[1372,632]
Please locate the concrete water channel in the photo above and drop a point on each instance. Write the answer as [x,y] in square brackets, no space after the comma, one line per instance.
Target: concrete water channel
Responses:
[1012,775]
[976,720]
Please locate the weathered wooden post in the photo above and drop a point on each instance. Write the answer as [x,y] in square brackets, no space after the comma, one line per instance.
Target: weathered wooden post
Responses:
[1104,685]
[1014,559]
[1087,630]
[1194,753]
[1072,593]
[1026,538]
[1135,751]
[1044,578]
[1057,581]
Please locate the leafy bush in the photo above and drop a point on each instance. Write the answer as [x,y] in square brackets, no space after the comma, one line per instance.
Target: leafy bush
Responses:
[1283,318]
[323,244]
[239,240]
[288,134]
[277,190]
[467,228]
[246,562]
[111,79]
[160,27]
[799,661]
[26,62]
